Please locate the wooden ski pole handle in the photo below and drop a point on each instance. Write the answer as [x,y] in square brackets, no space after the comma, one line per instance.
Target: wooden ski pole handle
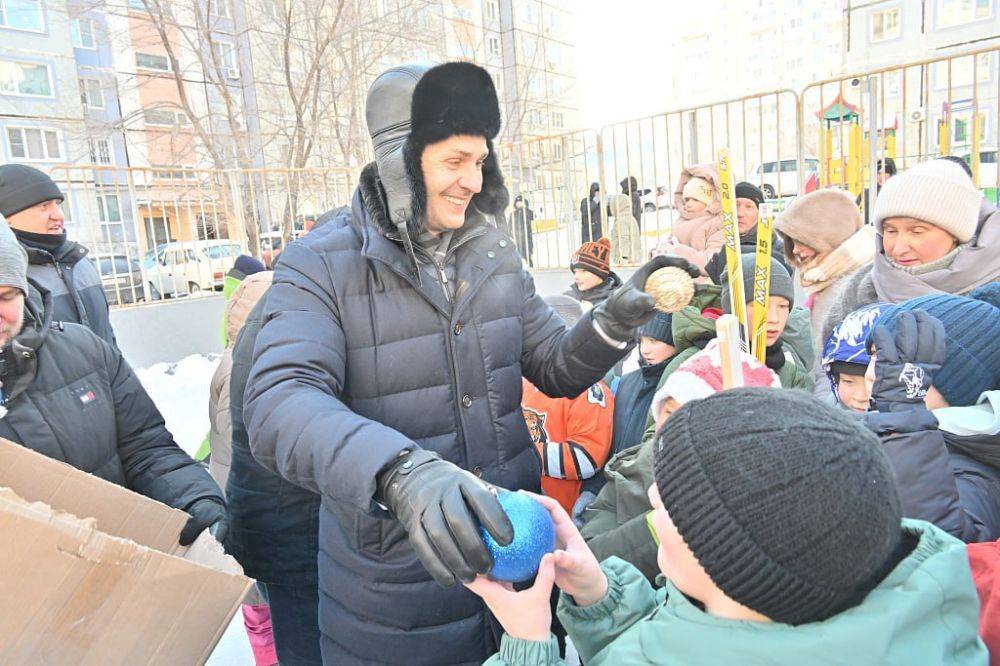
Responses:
[727,329]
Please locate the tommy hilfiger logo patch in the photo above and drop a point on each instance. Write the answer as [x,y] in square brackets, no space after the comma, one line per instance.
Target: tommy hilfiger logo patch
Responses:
[85,395]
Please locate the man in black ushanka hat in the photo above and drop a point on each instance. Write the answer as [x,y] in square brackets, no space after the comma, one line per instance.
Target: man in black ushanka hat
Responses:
[387,374]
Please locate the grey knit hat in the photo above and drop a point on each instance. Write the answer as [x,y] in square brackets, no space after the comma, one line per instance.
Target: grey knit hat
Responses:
[781,282]
[22,187]
[660,327]
[13,260]
[788,504]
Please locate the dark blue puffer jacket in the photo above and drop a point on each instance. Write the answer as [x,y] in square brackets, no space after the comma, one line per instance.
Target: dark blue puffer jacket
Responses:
[361,357]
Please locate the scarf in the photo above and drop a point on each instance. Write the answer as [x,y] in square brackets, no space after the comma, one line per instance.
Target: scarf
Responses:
[821,272]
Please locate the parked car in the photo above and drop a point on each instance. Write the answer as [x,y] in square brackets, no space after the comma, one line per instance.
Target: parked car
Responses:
[191,267]
[987,167]
[780,178]
[121,276]
[664,198]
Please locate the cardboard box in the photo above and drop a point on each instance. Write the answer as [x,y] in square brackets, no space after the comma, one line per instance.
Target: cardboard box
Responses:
[91,573]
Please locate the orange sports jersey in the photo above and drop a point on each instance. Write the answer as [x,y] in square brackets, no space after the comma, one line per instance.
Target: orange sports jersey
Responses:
[572,437]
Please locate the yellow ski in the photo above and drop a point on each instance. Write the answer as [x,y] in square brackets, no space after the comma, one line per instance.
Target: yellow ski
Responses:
[731,229]
[762,281]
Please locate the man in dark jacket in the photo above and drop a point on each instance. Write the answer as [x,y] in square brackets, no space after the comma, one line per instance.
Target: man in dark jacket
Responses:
[935,358]
[748,201]
[387,374]
[31,202]
[71,396]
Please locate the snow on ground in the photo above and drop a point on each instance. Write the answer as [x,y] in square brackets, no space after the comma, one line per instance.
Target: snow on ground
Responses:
[180,391]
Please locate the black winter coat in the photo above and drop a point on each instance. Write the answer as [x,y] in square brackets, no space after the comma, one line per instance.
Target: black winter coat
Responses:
[361,357]
[598,294]
[590,220]
[75,285]
[945,479]
[273,523]
[71,396]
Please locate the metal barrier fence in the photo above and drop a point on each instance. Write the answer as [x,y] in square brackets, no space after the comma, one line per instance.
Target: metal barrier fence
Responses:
[164,232]
[156,233]
[785,142]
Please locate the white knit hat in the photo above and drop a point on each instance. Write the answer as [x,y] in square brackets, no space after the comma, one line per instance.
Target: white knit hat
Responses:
[701,376]
[938,192]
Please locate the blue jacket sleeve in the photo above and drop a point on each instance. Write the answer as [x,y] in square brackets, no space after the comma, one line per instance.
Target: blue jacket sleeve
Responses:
[297,423]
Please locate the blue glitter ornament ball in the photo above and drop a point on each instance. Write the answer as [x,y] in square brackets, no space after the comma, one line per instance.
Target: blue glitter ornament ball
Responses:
[534,535]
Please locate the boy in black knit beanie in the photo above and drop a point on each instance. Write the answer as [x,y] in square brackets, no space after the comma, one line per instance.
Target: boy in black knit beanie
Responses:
[782,542]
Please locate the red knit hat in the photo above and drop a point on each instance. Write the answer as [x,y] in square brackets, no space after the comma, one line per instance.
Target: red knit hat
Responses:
[593,256]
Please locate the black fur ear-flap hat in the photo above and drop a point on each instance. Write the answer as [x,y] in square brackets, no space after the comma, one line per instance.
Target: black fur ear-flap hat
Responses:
[456,98]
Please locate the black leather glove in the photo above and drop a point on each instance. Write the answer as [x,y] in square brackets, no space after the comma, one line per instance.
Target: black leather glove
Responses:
[629,306]
[205,514]
[905,364]
[441,506]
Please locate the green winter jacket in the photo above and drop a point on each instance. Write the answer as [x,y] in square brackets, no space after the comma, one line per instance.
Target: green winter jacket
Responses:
[925,612]
[615,523]
[691,331]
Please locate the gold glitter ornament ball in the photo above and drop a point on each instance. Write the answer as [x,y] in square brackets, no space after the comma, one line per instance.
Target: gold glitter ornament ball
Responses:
[671,288]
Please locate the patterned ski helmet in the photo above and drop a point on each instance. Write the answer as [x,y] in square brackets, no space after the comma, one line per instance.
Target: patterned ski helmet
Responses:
[847,342]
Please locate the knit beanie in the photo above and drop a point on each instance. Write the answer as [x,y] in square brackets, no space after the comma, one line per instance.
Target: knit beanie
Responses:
[699,189]
[789,505]
[701,375]
[972,335]
[246,265]
[13,260]
[659,328]
[22,187]
[938,192]
[781,282]
[749,191]
[566,307]
[593,256]
[822,220]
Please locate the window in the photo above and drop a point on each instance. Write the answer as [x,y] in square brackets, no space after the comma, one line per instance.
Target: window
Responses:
[558,119]
[159,63]
[961,71]
[34,143]
[29,79]
[91,94]
[529,46]
[225,56]
[166,117]
[100,151]
[492,11]
[81,32]
[557,152]
[951,13]
[109,209]
[789,166]
[22,15]
[493,45]
[885,25]
[219,8]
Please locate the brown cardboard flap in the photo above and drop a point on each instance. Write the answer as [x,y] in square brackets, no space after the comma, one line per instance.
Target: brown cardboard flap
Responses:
[117,510]
[71,594]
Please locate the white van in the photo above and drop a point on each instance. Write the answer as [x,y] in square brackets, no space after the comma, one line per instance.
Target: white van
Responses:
[191,267]
[780,179]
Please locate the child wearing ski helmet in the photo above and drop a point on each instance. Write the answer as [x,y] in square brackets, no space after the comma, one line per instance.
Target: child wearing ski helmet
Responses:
[845,357]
